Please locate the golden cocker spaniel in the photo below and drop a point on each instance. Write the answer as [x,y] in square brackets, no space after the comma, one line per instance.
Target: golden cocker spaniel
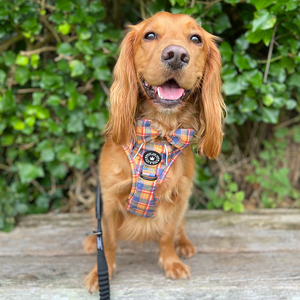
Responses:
[168,72]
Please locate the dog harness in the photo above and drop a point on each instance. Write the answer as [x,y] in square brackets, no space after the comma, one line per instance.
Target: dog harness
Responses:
[150,162]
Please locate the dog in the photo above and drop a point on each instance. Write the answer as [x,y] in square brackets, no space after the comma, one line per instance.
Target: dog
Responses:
[168,73]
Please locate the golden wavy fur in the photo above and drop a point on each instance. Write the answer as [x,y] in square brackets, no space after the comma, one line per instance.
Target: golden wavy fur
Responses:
[140,61]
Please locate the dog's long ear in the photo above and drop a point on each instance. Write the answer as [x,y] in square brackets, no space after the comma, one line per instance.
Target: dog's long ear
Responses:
[123,94]
[211,104]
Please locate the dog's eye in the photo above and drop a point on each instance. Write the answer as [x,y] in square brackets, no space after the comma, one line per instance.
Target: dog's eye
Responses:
[196,39]
[150,36]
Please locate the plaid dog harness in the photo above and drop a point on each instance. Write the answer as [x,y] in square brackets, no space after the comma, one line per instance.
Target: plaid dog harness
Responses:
[150,162]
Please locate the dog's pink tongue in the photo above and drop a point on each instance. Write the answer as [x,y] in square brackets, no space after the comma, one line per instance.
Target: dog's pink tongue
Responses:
[170,90]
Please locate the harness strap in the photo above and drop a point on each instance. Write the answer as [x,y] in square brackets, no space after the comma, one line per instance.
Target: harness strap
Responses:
[150,162]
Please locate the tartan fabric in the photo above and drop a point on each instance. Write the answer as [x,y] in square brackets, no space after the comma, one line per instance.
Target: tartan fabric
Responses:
[142,198]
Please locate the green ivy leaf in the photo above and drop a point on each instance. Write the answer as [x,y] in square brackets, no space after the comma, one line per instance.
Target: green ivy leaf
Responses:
[84,47]
[64,28]
[65,49]
[42,113]
[58,170]
[233,187]
[9,58]
[259,4]
[234,86]
[53,100]
[29,172]
[37,98]
[279,102]
[244,62]
[270,115]
[248,105]
[50,81]
[84,33]
[263,20]
[34,60]
[257,36]
[99,60]
[96,7]
[2,77]
[268,99]
[22,75]
[255,77]
[74,124]
[279,87]
[64,5]
[77,68]
[291,104]
[7,101]
[226,51]
[240,196]
[291,5]
[242,43]
[102,73]
[22,60]
[42,202]
[294,80]
[7,140]
[57,17]
[96,120]
[30,121]
[238,207]
[21,208]
[17,124]
[227,206]
[221,23]
[46,150]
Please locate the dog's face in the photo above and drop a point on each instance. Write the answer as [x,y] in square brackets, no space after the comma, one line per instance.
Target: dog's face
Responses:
[169,55]
[168,61]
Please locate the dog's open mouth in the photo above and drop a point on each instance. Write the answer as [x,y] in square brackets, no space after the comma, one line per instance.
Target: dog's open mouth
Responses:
[169,94]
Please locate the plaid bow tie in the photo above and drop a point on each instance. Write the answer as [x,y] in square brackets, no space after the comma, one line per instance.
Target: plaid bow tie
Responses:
[180,138]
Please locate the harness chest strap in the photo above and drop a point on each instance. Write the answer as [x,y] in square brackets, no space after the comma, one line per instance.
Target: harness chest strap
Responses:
[150,162]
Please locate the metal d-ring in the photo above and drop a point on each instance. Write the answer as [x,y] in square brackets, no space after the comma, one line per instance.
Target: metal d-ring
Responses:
[149,178]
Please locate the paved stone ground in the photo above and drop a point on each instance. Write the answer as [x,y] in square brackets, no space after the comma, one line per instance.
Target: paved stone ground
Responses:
[255,255]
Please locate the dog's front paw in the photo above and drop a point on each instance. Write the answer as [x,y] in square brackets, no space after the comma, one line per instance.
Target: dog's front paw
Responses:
[185,249]
[90,244]
[91,281]
[175,268]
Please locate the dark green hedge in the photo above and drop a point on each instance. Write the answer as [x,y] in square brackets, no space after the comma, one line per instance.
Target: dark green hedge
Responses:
[55,72]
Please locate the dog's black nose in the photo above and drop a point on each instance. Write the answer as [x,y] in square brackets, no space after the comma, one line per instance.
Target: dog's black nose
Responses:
[175,56]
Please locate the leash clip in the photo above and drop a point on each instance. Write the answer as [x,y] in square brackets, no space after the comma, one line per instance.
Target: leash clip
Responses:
[98,233]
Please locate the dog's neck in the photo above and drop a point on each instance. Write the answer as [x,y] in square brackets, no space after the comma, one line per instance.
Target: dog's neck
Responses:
[184,117]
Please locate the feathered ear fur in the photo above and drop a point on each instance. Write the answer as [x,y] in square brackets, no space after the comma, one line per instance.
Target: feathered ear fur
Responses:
[211,105]
[123,94]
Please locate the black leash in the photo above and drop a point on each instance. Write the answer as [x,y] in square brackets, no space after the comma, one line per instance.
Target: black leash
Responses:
[102,265]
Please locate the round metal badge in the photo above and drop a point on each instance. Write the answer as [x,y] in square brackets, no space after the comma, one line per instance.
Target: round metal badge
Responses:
[152,158]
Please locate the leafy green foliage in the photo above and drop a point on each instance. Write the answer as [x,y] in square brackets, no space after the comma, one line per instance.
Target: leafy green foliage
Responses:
[228,195]
[52,108]
[269,173]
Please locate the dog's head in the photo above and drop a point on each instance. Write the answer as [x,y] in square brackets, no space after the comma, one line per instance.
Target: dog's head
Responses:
[168,60]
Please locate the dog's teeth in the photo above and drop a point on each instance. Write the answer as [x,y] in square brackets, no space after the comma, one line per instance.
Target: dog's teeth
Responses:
[146,83]
[159,95]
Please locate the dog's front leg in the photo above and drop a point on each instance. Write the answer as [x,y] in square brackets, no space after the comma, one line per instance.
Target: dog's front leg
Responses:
[168,257]
[184,246]
[110,245]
